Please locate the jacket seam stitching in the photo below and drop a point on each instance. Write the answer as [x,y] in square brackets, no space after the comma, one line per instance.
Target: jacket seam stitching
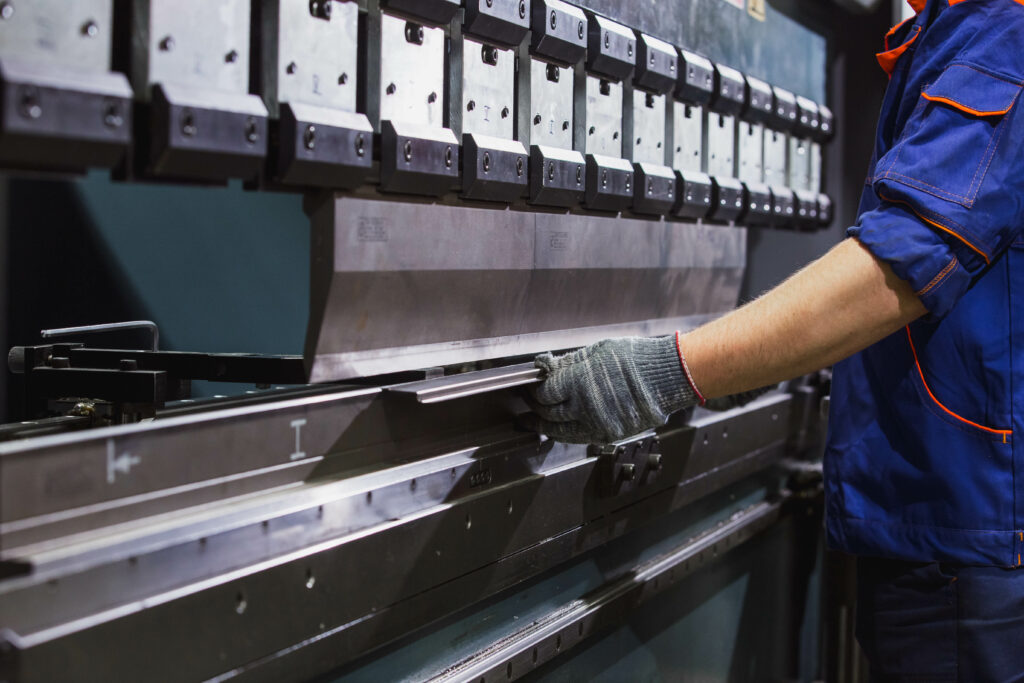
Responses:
[941,277]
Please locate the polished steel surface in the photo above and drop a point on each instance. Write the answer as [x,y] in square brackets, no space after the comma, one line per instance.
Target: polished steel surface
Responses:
[551,105]
[405,286]
[721,142]
[55,33]
[488,89]
[688,123]
[775,150]
[411,72]
[601,124]
[750,152]
[648,139]
[799,163]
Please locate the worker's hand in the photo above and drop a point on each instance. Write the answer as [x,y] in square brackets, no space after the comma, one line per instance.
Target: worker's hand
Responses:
[610,390]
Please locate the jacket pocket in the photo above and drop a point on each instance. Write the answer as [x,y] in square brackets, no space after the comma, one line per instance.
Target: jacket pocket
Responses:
[949,141]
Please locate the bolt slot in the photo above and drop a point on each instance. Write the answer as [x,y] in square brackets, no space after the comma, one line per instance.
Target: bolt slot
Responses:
[188,123]
[486,163]
[309,139]
[519,166]
[554,20]
[360,145]
[252,131]
[407,151]
[448,157]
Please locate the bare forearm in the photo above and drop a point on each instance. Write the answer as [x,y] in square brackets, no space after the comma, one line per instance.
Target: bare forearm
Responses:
[836,306]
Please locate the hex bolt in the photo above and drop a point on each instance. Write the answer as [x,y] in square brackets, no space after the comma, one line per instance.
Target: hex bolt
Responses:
[522,9]
[628,471]
[407,150]
[553,73]
[309,138]
[431,98]
[554,20]
[489,55]
[579,175]
[390,90]
[6,10]
[291,68]
[231,57]
[29,99]
[504,112]
[579,30]
[128,364]
[360,145]
[607,41]
[448,156]
[252,131]
[188,123]
[167,44]
[90,29]
[519,166]
[343,79]
[471,105]
[486,162]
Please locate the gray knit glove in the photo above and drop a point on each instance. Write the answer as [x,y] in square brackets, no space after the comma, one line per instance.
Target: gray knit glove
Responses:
[610,390]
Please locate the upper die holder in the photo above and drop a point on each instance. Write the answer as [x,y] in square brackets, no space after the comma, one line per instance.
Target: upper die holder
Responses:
[759,105]
[784,103]
[559,31]
[807,117]
[502,22]
[730,90]
[434,12]
[656,64]
[611,48]
[696,82]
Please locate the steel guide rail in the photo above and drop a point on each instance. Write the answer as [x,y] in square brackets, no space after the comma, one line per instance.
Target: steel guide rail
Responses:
[504,502]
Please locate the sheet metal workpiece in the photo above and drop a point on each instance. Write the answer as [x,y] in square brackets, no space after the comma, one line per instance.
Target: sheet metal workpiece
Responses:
[611,48]
[727,199]
[696,83]
[385,272]
[499,22]
[693,194]
[656,64]
[655,191]
[190,64]
[557,176]
[609,183]
[308,76]
[558,31]
[61,107]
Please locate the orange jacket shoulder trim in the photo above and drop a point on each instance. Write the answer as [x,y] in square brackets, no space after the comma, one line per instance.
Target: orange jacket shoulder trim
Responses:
[887,60]
[963,107]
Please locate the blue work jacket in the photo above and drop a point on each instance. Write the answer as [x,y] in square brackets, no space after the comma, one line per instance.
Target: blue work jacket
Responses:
[925,455]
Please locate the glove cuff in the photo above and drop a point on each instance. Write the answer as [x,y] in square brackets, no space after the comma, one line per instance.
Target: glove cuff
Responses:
[660,363]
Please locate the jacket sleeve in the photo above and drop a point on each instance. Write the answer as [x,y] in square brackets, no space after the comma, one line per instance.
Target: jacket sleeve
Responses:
[952,185]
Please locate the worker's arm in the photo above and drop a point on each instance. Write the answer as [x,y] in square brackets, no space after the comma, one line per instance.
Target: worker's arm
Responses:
[839,304]
[836,306]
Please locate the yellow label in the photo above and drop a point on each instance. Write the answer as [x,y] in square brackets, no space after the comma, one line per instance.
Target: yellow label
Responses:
[756,9]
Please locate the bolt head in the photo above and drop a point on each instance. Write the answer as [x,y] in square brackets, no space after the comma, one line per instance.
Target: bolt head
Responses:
[90,29]
[6,10]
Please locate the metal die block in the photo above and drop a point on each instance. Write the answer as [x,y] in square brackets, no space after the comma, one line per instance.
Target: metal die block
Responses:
[784,104]
[688,136]
[759,204]
[806,209]
[824,210]
[204,134]
[611,48]
[320,147]
[721,139]
[656,64]
[603,117]
[417,159]
[693,190]
[826,123]
[730,90]
[783,206]
[556,176]
[56,33]
[759,105]
[493,169]
[309,56]
[436,12]
[551,102]
[627,465]
[775,148]
[609,183]
[488,90]
[655,192]
[814,174]
[558,31]
[411,72]
[501,22]
[192,43]
[727,200]
[807,117]
[59,119]
[750,152]
[696,83]
[648,127]
[799,163]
